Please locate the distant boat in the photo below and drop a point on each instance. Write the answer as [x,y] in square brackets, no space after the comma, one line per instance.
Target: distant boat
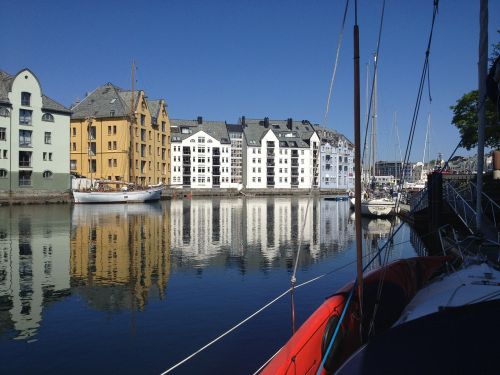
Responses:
[124,195]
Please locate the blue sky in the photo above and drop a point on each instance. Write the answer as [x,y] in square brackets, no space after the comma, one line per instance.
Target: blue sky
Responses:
[227,58]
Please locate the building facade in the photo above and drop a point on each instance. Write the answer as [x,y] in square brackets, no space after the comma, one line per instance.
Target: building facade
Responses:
[34,137]
[336,160]
[201,154]
[111,142]
[395,169]
[281,154]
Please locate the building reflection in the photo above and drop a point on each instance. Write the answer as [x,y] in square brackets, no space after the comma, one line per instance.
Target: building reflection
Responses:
[375,233]
[257,231]
[34,265]
[120,254]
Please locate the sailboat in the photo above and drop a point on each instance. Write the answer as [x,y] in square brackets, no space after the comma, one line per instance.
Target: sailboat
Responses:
[418,315]
[111,191]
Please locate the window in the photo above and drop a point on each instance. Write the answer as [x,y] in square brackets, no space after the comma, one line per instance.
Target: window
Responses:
[110,163]
[150,136]
[4,154]
[143,120]
[3,134]
[114,129]
[74,132]
[47,117]
[25,159]
[50,156]
[25,98]
[201,149]
[4,112]
[109,145]
[92,132]
[72,165]
[109,129]
[24,178]
[92,148]
[3,173]
[24,138]
[25,117]
[163,126]
[47,174]
[74,146]
[201,140]
[48,138]
[114,145]
[111,113]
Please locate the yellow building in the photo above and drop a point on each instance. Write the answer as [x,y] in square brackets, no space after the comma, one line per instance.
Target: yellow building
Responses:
[121,246]
[108,141]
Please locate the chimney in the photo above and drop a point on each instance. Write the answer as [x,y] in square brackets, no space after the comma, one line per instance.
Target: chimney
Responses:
[200,120]
[289,123]
[266,122]
[243,120]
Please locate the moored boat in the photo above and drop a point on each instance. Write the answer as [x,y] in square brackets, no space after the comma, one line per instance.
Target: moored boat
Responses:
[118,196]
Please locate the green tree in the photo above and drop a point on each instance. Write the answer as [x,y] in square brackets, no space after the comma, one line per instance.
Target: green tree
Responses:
[465,119]
[465,115]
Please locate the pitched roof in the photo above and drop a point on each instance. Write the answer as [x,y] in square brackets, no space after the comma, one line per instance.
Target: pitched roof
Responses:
[154,107]
[216,129]
[48,104]
[290,133]
[107,100]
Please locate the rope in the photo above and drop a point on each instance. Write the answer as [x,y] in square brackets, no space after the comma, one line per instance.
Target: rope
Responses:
[253,315]
[334,74]
[375,69]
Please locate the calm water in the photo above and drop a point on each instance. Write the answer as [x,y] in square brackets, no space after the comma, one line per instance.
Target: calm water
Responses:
[136,288]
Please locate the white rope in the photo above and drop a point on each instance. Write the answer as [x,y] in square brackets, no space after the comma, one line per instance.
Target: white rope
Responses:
[334,74]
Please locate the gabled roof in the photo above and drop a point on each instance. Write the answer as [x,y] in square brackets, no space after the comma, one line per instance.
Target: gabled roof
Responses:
[107,100]
[48,104]
[293,134]
[154,107]
[216,129]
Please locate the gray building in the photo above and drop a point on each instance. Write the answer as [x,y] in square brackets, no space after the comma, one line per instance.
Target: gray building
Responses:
[336,160]
[34,137]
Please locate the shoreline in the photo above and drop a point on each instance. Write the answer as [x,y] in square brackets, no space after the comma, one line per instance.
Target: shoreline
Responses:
[35,198]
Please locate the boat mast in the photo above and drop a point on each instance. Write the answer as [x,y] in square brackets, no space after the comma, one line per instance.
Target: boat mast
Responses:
[482,74]
[357,163]
[132,118]
[373,143]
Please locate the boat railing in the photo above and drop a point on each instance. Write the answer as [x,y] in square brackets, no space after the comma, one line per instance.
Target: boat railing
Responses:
[419,201]
[491,209]
[460,206]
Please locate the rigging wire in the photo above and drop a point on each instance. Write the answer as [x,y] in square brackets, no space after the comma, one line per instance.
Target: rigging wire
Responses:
[334,73]
[375,70]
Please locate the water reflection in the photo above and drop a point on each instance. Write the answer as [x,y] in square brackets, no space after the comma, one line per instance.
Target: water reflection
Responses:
[119,254]
[259,232]
[34,259]
[121,257]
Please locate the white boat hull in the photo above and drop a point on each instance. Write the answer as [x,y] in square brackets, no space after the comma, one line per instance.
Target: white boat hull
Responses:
[377,207]
[149,195]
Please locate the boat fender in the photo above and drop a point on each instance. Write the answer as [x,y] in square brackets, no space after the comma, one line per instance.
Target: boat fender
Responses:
[332,359]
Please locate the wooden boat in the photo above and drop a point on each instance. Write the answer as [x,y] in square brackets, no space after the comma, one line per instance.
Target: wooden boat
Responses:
[124,195]
[401,280]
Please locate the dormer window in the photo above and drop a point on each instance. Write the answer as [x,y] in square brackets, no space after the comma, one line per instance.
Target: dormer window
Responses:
[4,112]
[25,98]
[47,117]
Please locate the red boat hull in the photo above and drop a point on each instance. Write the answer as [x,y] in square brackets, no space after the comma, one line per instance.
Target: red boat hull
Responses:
[302,354]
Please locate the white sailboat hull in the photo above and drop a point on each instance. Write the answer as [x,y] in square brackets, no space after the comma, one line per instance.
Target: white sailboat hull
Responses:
[148,195]
[377,207]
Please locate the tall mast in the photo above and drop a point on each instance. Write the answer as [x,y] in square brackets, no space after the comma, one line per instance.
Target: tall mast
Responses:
[374,121]
[132,118]
[482,74]
[357,162]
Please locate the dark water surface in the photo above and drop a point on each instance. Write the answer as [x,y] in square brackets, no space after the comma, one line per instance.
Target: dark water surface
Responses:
[136,288]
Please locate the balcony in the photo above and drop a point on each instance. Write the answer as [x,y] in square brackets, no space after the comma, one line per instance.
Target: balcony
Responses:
[270,182]
[295,162]
[216,171]
[270,171]
[270,144]
[216,151]
[216,181]
[24,159]
[295,171]
[270,163]
[186,160]
[295,182]
[295,153]
[186,181]
[270,153]
[216,160]
[186,151]
[186,171]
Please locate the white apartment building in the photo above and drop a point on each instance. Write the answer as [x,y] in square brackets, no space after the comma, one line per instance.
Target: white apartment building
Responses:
[236,136]
[34,136]
[200,154]
[280,154]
